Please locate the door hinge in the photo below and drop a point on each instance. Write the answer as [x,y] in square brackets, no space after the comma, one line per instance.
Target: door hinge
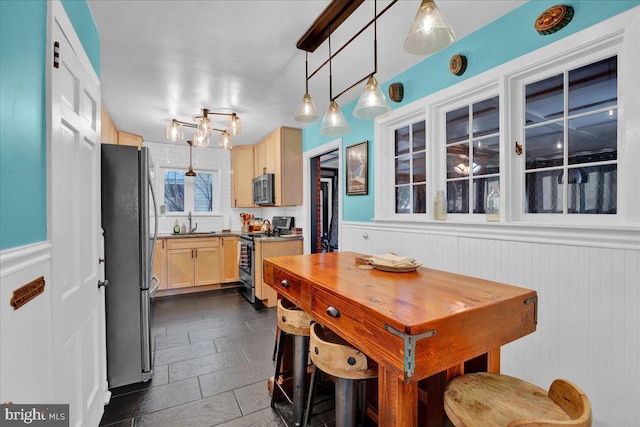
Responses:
[56,55]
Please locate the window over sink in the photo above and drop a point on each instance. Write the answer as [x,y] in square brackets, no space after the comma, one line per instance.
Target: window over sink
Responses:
[200,194]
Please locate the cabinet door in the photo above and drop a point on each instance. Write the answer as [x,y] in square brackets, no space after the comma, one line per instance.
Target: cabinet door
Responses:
[160,263]
[126,138]
[207,266]
[260,158]
[242,167]
[229,259]
[108,131]
[180,267]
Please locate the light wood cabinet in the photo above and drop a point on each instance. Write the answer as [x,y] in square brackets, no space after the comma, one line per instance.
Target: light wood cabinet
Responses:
[108,131]
[193,262]
[126,138]
[242,172]
[111,135]
[160,263]
[270,248]
[229,259]
[280,153]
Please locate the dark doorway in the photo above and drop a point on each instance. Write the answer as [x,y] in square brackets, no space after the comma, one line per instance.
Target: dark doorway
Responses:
[325,196]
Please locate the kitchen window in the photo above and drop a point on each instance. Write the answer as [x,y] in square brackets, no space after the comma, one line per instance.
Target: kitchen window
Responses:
[473,155]
[571,141]
[410,169]
[200,194]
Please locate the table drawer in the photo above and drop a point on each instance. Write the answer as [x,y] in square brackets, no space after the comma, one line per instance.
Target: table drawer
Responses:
[345,319]
[287,285]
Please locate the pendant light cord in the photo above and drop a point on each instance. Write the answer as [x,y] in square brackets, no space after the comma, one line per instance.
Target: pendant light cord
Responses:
[330,70]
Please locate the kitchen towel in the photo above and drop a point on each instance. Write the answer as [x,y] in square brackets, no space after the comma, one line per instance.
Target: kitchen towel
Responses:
[392,260]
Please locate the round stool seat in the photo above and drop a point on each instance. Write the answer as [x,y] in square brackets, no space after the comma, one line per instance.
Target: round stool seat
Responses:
[292,320]
[485,399]
[336,357]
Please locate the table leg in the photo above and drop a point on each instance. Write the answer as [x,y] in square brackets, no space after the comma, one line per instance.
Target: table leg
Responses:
[397,401]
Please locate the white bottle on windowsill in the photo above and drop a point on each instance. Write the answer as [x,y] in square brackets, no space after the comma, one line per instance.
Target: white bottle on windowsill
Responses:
[439,206]
[493,205]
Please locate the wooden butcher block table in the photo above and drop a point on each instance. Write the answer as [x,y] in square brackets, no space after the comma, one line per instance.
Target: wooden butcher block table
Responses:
[416,325]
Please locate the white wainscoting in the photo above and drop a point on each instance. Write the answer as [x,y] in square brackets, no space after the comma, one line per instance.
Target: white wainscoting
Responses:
[588,320]
[26,371]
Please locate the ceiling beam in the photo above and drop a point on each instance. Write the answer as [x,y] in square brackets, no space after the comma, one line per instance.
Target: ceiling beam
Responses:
[330,19]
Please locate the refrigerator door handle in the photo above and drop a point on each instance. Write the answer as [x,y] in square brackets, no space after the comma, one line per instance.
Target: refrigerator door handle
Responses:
[155,279]
[155,217]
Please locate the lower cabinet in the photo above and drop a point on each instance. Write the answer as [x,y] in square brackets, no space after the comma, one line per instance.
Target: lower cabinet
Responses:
[266,248]
[193,262]
[187,262]
[229,259]
[160,263]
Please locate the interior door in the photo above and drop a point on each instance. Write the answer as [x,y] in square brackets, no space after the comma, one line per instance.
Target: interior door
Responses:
[78,317]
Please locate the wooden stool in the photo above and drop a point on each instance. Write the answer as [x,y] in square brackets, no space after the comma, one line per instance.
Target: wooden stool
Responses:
[295,322]
[334,356]
[484,399]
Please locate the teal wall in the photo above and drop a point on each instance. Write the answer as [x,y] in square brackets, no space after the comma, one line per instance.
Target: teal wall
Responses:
[502,40]
[23,175]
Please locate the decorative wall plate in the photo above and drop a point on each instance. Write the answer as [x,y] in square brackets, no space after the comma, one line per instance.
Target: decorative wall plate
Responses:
[458,64]
[396,91]
[553,19]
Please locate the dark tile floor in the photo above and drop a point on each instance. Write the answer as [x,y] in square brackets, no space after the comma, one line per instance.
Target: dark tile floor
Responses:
[212,362]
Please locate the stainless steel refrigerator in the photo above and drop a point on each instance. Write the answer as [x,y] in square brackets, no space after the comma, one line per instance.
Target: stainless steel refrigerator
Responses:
[129,221]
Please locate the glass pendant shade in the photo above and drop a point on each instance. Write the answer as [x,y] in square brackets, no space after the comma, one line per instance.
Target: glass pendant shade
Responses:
[307,111]
[225,141]
[430,31]
[204,125]
[372,102]
[234,125]
[200,139]
[334,123]
[173,131]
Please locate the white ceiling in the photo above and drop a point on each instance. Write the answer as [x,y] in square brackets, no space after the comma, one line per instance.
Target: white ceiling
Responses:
[168,59]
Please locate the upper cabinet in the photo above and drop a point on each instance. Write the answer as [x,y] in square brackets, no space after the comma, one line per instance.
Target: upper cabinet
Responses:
[241,176]
[108,129]
[279,153]
[111,135]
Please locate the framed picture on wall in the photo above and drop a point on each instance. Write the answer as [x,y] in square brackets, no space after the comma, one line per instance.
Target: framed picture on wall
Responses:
[357,165]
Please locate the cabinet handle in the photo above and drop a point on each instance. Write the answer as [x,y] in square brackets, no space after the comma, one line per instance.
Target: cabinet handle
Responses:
[163,244]
[196,253]
[333,312]
[284,283]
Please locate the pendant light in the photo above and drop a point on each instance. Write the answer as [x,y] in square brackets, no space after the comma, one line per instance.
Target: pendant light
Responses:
[200,139]
[372,102]
[430,31]
[225,141]
[204,128]
[333,123]
[190,172]
[306,111]
[173,131]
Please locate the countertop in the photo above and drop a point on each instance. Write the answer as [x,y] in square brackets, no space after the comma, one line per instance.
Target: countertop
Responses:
[263,239]
[198,234]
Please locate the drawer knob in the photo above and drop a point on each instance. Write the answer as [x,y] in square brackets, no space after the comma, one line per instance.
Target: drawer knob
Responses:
[333,312]
[351,361]
[284,283]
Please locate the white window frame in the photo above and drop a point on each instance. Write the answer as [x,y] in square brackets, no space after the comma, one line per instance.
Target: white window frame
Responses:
[216,203]
[438,115]
[619,35]
[576,58]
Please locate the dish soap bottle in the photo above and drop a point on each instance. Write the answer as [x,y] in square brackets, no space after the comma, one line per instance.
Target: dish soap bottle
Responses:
[176,228]
[439,207]
[493,205]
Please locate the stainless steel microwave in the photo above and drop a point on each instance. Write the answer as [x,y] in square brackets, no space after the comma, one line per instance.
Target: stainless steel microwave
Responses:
[263,193]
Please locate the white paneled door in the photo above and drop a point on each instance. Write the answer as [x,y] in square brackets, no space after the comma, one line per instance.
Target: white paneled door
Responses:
[79,354]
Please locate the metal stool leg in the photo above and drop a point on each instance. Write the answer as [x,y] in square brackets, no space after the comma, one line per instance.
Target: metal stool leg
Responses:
[280,347]
[346,402]
[300,356]
[312,395]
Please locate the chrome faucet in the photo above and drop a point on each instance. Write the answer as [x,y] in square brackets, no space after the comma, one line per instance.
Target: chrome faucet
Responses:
[191,230]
